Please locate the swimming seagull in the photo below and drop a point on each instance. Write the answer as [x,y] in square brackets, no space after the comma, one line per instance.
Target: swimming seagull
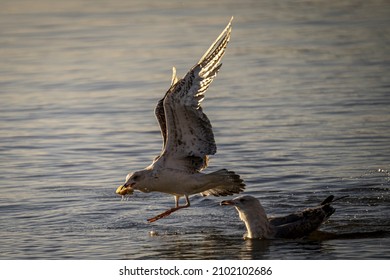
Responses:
[188,139]
[296,225]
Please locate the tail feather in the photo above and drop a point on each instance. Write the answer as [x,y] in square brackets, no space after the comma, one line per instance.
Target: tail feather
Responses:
[326,205]
[328,200]
[223,183]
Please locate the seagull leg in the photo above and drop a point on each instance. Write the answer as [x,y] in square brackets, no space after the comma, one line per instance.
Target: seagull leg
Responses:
[170,211]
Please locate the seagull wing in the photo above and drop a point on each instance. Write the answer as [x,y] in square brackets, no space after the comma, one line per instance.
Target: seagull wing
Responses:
[302,223]
[309,221]
[186,130]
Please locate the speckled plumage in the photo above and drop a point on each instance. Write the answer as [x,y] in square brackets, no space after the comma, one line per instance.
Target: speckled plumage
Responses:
[188,138]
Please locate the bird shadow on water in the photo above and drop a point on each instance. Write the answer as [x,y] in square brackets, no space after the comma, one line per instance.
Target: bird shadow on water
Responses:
[322,236]
[311,247]
[183,245]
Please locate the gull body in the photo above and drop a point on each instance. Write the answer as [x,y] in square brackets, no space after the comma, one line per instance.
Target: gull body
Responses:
[167,180]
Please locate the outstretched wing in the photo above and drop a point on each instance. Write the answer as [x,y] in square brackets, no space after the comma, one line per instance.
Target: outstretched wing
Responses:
[186,130]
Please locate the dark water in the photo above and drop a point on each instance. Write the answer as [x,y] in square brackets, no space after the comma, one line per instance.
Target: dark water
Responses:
[301,109]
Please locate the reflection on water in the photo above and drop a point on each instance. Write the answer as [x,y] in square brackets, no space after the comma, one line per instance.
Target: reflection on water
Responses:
[299,109]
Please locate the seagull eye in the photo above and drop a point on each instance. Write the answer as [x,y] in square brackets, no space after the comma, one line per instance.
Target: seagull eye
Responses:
[135,178]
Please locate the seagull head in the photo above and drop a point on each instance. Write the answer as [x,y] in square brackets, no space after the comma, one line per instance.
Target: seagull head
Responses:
[245,203]
[133,182]
[252,213]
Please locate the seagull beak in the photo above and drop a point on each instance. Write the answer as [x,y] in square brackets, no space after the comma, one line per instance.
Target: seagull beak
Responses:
[228,202]
[124,190]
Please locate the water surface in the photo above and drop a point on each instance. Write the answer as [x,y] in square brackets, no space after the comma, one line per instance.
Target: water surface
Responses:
[300,109]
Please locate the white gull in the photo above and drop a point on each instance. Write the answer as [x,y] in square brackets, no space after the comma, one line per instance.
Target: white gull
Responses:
[188,139]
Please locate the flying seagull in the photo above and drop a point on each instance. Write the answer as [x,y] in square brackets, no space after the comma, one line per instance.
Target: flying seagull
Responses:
[296,225]
[188,139]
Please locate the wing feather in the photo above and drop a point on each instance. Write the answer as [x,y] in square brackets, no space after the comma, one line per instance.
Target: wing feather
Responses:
[186,130]
[160,112]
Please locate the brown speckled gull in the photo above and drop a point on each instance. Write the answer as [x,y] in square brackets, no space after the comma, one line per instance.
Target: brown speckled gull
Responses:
[296,225]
